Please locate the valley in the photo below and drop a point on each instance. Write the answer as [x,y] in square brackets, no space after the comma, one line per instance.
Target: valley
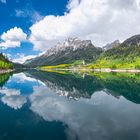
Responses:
[77,54]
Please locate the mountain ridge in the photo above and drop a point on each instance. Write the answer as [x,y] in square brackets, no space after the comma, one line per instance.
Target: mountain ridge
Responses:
[124,56]
[113,55]
[111,45]
[67,52]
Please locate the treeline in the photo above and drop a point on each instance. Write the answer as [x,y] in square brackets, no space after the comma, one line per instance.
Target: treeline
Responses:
[5,63]
[4,78]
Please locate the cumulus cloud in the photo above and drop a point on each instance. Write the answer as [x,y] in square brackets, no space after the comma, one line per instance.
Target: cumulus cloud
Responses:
[13,38]
[22,78]
[102,21]
[22,58]
[96,118]
[15,102]
[9,92]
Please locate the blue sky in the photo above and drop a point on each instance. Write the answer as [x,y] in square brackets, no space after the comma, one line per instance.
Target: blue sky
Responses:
[9,18]
[29,27]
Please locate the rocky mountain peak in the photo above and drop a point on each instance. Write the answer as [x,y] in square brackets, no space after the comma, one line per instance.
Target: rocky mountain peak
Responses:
[73,43]
[69,51]
[69,44]
[132,41]
[111,45]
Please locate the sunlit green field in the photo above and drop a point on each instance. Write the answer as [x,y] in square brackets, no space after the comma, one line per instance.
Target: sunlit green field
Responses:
[101,63]
[5,65]
[117,64]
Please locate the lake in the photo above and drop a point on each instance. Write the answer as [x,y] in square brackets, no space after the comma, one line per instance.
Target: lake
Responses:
[36,105]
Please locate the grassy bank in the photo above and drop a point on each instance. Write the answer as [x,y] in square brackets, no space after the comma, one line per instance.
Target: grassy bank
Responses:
[112,64]
[116,64]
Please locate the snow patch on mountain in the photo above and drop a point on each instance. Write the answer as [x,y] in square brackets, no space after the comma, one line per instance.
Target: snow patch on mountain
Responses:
[70,44]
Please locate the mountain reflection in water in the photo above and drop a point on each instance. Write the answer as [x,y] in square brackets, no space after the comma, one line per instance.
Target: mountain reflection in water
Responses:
[50,105]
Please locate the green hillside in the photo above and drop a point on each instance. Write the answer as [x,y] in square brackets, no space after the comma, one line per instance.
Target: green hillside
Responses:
[5,63]
[121,56]
[125,56]
[76,52]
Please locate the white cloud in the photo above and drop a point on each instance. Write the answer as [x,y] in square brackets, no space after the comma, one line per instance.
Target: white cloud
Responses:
[10,44]
[15,102]
[102,21]
[73,4]
[96,118]
[22,58]
[22,78]
[9,92]
[3,1]
[13,38]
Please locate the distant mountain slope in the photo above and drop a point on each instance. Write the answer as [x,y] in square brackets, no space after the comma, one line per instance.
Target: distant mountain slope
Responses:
[5,63]
[19,66]
[111,45]
[126,55]
[129,48]
[115,55]
[132,41]
[70,51]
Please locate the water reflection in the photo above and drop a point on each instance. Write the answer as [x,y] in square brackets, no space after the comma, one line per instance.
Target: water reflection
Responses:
[97,106]
[76,86]
[14,101]
[4,78]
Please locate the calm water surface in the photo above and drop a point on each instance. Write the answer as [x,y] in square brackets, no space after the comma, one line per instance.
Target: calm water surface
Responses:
[57,106]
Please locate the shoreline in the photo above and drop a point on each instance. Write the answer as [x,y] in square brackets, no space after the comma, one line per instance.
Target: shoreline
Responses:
[96,70]
[5,71]
[118,70]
